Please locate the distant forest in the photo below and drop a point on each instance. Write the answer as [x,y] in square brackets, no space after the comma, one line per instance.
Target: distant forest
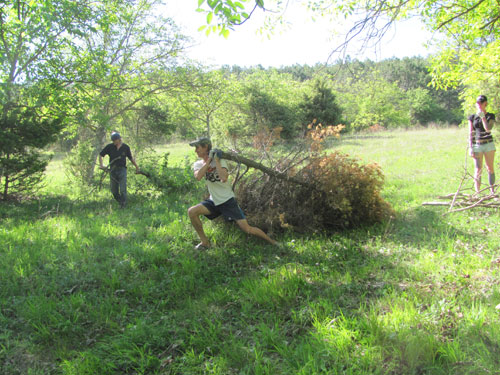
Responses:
[392,93]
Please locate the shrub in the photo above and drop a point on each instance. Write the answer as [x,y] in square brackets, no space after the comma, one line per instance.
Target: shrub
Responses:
[162,177]
[23,135]
[340,193]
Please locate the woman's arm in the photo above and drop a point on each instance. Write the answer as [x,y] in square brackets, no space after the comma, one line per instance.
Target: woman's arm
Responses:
[223,173]
[471,137]
[198,174]
[488,124]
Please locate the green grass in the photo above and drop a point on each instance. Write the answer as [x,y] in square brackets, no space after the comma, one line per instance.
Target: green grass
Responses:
[90,289]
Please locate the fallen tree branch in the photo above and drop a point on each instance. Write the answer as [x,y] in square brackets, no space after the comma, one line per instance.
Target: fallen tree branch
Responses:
[456,194]
[435,204]
[271,172]
[467,201]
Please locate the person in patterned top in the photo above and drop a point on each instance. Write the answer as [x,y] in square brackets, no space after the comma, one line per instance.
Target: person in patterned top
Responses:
[481,142]
[222,200]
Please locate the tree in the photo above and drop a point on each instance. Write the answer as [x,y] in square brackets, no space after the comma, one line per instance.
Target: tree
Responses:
[373,101]
[320,106]
[149,124]
[34,40]
[23,132]
[125,62]
[34,37]
[266,112]
[469,53]
[228,14]
[271,100]
[423,107]
[207,93]
[413,76]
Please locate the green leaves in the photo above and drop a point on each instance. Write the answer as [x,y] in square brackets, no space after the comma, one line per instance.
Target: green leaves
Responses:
[23,133]
[227,14]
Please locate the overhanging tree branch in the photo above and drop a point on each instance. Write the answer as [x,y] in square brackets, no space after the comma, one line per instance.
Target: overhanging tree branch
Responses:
[459,14]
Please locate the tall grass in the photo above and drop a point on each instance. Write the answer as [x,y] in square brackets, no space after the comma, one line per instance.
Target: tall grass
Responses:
[87,288]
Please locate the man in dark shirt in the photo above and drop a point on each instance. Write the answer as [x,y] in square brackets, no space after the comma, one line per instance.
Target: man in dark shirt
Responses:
[118,153]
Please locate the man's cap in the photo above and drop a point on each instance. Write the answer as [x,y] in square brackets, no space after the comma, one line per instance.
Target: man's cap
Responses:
[481,99]
[115,136]
[203,141]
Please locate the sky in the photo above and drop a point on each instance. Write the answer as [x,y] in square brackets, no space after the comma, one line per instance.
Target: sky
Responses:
[301,41]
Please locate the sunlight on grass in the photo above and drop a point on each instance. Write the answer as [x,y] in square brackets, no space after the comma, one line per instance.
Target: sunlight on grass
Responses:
[87,288]
[417,164]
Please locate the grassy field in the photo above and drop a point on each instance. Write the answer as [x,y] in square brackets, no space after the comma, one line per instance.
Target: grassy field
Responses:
[86,288]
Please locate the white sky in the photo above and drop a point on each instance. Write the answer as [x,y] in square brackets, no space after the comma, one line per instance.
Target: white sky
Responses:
[303,42]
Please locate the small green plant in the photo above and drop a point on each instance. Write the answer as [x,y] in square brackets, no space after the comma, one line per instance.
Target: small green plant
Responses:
[163,177]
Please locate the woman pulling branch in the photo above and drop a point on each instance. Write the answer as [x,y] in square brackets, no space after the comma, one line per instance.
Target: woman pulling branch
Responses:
[222,200]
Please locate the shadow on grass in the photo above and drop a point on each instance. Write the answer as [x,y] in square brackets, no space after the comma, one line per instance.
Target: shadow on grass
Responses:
[423,227]
[102,295]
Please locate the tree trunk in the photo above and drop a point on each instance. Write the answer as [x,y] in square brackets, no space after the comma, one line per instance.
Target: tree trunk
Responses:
[100,136]
[6,188]
[6,184]
[208,125]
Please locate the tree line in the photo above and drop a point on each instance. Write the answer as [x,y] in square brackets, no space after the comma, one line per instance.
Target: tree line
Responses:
[71,72]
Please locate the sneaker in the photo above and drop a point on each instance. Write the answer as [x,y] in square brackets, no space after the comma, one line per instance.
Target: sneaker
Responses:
[201,247]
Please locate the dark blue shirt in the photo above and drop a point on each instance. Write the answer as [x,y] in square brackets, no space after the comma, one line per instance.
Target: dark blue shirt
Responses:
[117,157]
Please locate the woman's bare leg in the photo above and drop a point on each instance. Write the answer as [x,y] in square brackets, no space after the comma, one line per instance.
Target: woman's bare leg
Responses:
[478,169]
[194,215]
[247,228]
[489,160]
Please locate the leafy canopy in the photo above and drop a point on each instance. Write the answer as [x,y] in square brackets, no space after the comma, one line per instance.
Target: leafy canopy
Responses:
[467,31]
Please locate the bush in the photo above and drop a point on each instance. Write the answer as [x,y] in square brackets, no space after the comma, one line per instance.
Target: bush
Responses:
[341,193]
[76,167]
[23,135]
[162,177]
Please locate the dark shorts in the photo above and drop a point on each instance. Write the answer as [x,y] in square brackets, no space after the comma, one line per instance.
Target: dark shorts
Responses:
[229,209]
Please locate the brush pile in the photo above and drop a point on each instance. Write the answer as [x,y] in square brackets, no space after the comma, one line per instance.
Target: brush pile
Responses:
[463,200]
[465,197]
[311,190]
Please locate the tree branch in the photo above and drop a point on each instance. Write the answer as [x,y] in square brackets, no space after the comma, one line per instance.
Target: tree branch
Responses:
[271,172]
[467,10]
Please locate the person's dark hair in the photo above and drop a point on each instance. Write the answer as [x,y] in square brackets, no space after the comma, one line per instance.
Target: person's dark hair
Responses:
[481,99]
[115,136]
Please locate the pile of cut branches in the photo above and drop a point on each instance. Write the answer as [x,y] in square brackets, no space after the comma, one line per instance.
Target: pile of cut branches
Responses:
[465,197]
[462,201]
[308,190]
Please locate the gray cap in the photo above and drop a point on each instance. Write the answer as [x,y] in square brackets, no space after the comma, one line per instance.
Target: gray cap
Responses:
[115,136]
[203,141]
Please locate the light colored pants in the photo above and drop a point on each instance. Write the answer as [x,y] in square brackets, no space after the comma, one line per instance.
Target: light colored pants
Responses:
[484,147]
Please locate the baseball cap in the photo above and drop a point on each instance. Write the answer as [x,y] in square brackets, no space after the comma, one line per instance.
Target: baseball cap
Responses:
[203,141]
[481,99]
[115,136]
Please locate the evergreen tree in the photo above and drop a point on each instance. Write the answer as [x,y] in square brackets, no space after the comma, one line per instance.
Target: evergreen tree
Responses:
[321,106]
[23,134]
